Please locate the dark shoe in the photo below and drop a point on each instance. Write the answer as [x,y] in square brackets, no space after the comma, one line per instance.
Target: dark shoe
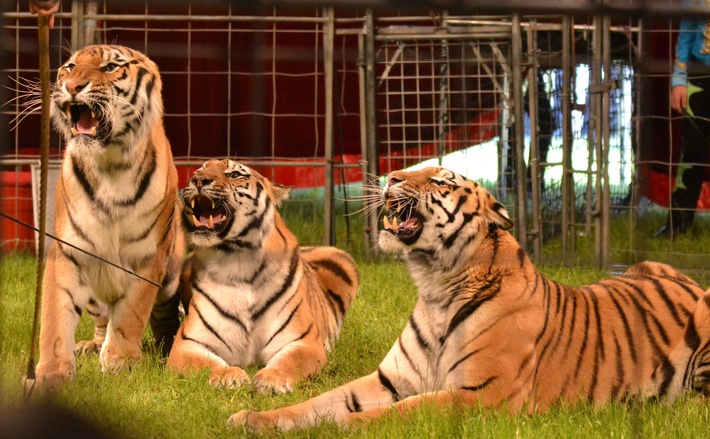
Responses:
[663,232]
[669,232]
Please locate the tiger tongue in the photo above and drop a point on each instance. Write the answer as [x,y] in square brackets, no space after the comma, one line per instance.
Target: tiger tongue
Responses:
[410,224]
[210,221]
[87,123]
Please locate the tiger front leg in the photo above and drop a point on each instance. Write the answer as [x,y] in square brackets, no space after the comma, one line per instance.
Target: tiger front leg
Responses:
[189,356]
[99,312]
[62,304]
[129,317]
[293,363]
[366,393]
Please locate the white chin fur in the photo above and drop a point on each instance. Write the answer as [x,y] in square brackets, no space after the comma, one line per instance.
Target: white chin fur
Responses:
[203,241]
[389,243]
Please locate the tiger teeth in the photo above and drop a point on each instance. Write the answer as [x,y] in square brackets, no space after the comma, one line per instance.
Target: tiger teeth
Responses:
[394,225]
[192,203]
[93,115]
[93,131]
[210,223]
[196,221]
[400,207]
[74,131]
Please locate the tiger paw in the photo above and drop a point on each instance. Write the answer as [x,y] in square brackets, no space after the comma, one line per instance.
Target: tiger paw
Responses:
[255,422]
[88,347]
[53,376]
[230,378]
[360,418]
[111,362]
[273,380]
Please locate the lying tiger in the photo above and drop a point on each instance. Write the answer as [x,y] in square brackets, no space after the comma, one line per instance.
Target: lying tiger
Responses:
[489,329]
[256,296]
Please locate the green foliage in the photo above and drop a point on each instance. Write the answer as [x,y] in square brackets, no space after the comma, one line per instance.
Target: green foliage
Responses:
[151,402]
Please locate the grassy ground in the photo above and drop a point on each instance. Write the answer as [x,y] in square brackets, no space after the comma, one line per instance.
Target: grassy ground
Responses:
[149,402]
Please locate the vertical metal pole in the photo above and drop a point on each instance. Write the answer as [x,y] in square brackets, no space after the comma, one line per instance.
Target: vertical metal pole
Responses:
[90,25]
[536,232]
[518,126]
[567,207]
[328,65]
[504,142]
[606,59]
[442,123]
[595,127]
[362,82]
[77,25]
[373,163]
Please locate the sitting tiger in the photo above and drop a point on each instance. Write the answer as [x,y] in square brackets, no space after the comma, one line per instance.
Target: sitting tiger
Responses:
[489,329]
[116,198]
[257,298]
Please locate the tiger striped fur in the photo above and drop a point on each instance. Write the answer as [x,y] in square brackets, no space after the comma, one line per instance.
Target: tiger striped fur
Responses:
[117,197]
[257,298]
[688,364]
[488,328]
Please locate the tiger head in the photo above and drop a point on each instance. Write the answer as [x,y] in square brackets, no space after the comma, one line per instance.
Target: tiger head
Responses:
[106,94]
[436,211]
[227,204]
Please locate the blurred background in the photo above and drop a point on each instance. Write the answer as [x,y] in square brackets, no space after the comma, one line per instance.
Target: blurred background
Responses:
[560,108]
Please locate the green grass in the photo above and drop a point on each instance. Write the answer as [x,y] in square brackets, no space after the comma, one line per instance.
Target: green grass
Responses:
[150,402]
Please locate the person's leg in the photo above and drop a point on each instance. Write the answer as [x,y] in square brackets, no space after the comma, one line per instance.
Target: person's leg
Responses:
[694,160]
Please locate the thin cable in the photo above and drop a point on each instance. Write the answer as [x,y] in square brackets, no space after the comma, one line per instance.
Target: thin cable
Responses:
[132,273]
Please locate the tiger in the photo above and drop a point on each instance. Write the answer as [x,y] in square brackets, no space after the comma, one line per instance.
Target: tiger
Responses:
[257,297]
[490,330]
[116,199]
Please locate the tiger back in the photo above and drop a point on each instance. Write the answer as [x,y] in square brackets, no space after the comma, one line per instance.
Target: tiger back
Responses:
[489,329]
[257,298]
[116,199]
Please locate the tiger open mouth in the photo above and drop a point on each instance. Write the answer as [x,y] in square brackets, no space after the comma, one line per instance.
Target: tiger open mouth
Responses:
[404,220]
[85,120]
[203,214]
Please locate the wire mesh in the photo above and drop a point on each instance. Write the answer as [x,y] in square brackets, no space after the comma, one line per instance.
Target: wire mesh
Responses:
[252,84]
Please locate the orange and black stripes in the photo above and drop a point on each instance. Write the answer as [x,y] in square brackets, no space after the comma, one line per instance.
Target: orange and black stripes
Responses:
[258,292]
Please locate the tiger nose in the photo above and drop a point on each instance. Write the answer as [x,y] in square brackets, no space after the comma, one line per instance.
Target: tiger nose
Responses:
[200,180]
[74,86]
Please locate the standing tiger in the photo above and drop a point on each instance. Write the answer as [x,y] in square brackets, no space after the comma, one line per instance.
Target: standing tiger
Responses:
[257,298]
[116,198]
[489,329]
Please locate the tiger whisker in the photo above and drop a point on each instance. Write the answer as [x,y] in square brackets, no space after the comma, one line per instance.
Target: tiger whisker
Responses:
[367,209]
[363,197]
[26,111]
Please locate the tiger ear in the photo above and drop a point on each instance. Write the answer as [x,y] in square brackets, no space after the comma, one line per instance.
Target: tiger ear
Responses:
[280,192]
[499,215]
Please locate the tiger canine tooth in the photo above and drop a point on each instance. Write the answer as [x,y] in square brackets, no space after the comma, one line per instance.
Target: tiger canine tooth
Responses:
[210,223]
[93,115]
[395,223]
[400,207]
[196,221]
[192,203]
[74,131]
[93,131]
[387,223]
